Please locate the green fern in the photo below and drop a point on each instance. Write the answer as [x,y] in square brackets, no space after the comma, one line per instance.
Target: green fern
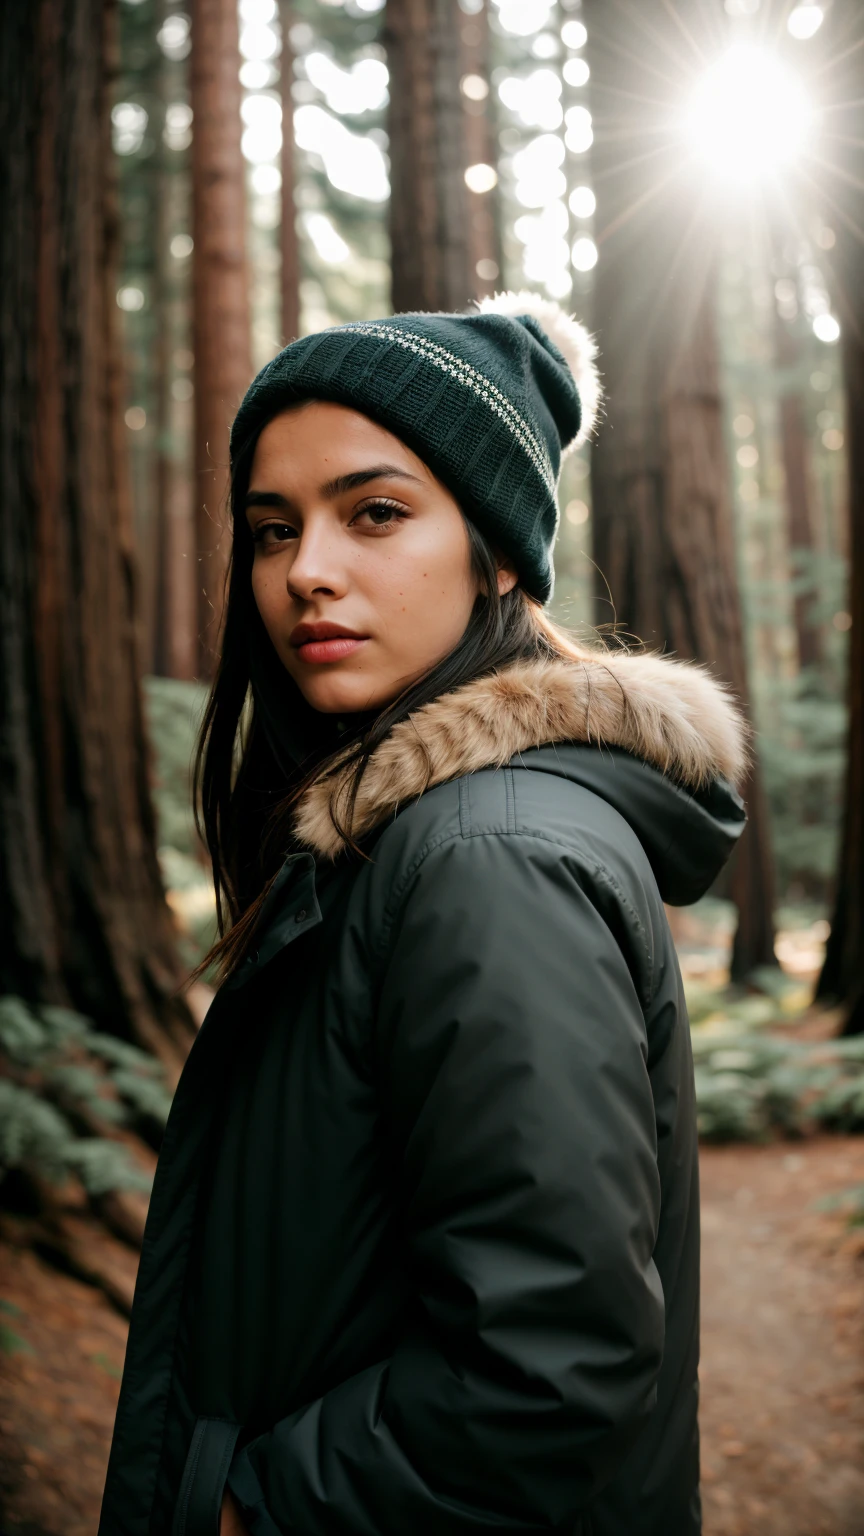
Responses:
[751,1084]
[33,1134]
[55,1053]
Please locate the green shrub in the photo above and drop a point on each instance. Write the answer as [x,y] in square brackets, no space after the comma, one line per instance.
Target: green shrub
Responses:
[174,711]
[751,1083]
[55,1054]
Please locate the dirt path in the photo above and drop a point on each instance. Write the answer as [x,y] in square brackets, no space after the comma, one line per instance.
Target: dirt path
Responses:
[782,1343]
[783,1361]
[62,1362]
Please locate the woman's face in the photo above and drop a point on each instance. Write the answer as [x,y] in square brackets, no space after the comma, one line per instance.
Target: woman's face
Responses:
[362,573]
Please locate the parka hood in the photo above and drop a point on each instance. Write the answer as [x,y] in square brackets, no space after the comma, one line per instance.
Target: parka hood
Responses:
[687,834]
[660,740]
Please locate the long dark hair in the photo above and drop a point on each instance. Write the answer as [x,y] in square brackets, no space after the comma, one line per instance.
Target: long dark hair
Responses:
[244,792]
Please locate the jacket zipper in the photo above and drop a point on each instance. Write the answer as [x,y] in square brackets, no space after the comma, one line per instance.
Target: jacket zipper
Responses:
[199,1502]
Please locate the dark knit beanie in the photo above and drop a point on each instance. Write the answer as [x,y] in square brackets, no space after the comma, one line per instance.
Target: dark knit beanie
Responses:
[489,400]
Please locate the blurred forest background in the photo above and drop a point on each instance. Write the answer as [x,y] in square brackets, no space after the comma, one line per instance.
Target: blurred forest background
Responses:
[189,184]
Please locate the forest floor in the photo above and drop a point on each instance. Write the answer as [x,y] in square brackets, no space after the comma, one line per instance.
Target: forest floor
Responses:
[782,1369]
[782,1359]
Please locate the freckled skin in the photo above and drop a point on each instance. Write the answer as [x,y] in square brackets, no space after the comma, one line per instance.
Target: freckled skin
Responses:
[354,557]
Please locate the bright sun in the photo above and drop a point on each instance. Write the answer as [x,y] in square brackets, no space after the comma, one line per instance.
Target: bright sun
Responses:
[748,115]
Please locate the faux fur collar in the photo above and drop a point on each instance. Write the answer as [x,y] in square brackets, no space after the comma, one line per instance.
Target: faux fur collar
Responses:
[671,714]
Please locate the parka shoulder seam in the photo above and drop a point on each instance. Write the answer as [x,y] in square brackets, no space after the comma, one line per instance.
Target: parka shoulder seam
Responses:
[590,866]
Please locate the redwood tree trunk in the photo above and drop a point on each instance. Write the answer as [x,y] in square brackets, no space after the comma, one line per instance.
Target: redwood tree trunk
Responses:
[175,620]
[429,222]
[220,296]
[663,520]
[288,233]
[842,978]
[175,609]
[796,467]
[82,910]
[796,472]
[484,208]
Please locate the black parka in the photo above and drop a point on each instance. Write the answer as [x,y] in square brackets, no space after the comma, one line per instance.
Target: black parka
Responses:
[423,1248]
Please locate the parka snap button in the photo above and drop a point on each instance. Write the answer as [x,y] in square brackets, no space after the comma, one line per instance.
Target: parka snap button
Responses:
[299,916]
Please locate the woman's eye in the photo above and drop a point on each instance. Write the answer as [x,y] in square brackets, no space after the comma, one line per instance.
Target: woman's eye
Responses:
[269,534]
[381,514]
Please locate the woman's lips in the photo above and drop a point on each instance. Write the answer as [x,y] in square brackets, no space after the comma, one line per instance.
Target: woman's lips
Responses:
[333,649]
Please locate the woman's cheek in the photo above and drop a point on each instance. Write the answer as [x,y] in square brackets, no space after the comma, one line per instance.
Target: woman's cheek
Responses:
[269,593]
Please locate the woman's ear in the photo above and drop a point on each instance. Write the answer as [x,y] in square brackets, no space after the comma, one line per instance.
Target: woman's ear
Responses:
[508,575]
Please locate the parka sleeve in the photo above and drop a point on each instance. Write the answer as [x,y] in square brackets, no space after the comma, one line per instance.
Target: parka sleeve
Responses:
[513,1066]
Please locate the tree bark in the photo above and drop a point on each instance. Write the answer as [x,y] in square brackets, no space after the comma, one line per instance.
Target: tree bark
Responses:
[484,208]
[842,978]
[175,614]
[664,542]
[220,296]
[429,222]
[82,908]
[796,473]
[796,469]
[288,233]
[175,623]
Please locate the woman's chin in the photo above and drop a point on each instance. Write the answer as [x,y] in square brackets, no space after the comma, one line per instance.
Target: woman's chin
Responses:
[334,692]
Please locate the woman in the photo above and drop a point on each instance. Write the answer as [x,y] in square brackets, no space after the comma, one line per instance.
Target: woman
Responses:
[422,1253]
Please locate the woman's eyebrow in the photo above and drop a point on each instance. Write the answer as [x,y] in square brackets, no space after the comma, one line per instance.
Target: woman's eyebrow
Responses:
[266,499]
[342,483]
[335,487]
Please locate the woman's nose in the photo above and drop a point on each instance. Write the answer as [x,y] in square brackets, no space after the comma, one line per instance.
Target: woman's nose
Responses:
[316,565]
